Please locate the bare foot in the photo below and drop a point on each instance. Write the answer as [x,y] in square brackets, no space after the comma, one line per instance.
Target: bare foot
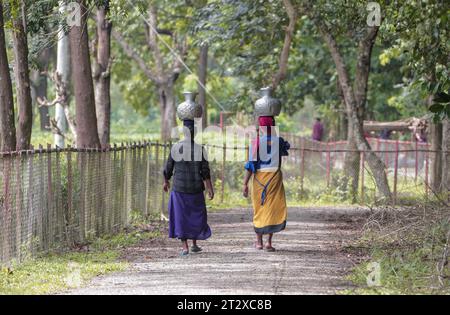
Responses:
[258,246]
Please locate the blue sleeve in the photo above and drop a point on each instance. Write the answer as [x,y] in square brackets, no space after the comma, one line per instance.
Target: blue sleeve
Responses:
[250,166]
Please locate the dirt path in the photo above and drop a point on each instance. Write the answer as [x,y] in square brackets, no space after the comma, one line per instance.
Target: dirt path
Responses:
[307,260]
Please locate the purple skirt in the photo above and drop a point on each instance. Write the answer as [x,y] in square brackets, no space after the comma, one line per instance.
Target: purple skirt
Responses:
[188,217]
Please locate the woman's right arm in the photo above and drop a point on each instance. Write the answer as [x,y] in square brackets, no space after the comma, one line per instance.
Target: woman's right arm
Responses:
[206,174]
[247,176]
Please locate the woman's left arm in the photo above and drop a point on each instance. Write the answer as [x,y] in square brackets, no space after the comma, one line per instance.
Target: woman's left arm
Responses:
[168,172]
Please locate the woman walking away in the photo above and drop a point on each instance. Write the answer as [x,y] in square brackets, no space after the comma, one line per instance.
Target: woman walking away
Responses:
[268,196]
[188,166]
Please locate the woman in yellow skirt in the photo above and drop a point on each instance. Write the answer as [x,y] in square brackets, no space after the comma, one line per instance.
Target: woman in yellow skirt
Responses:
[267,190]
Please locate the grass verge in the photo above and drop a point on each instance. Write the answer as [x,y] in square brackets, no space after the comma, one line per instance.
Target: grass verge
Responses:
[410,248]
[57,271]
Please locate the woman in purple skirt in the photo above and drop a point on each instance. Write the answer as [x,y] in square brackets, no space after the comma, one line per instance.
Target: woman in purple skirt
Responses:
[188,166]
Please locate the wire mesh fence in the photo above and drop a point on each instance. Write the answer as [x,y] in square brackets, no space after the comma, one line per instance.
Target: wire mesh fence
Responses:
[332,173]
[56,198]
[324,171]
[52,198]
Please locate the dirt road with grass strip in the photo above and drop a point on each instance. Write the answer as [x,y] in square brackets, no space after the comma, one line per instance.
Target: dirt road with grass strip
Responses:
[308,259]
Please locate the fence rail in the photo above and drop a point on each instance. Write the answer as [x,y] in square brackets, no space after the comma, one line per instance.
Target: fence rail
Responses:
[52,198]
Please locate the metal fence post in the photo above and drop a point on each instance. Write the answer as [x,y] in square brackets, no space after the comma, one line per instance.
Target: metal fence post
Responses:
[302,163]
[224,154]
[427,163]
[361,171]
[386,153]
[417,161]
[405,159]
[328,163]
[395,172]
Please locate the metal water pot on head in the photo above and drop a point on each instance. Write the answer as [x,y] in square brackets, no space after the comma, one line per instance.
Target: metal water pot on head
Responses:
[267,105]
[189,109]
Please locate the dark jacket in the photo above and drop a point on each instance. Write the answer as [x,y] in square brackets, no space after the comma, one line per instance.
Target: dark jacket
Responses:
[188,170]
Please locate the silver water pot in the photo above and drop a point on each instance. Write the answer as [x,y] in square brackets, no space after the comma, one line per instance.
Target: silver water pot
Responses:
[267,105]
[188,110]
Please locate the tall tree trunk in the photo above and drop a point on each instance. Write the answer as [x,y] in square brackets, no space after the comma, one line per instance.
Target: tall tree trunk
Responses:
[351,163]
[446,158]
[376,165]
[63,70]
[167,110]
[86,121]
[7,127]
[436,164]
[39,86]
[351,158]
[23,85]
[102,75]
[162,75]
[202,73]
[289,34]
[343,121]
[343,124]
[355,98]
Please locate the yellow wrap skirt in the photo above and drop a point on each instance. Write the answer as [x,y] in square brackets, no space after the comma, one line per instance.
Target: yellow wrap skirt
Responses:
[269,202]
